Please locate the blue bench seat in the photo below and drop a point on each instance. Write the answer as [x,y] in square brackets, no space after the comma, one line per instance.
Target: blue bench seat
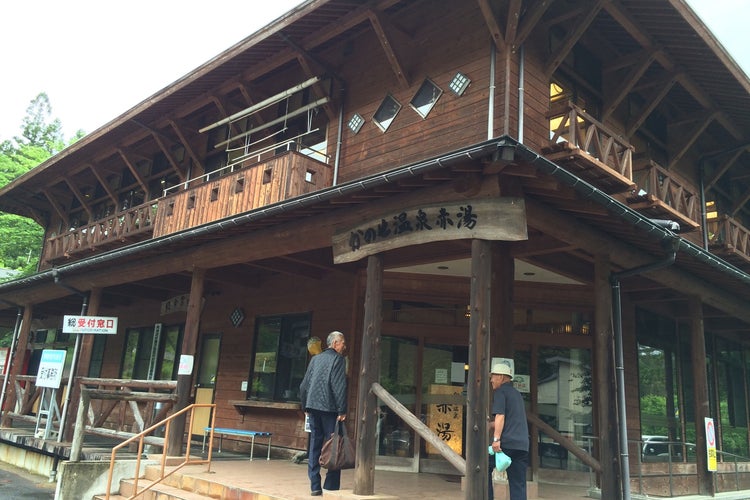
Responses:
[225,431]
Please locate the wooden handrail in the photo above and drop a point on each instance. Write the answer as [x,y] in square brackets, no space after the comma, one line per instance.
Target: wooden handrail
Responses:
[565,442]
[583,131]
[425,432]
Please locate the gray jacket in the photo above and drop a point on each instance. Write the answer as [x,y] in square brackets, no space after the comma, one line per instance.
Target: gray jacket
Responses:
[324,385]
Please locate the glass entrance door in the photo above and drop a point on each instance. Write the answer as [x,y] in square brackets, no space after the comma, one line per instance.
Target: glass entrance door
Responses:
[398,375]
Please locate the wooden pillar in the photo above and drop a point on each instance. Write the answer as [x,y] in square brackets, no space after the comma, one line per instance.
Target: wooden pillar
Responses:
[700,394]
[83,362]
[367,404]
[478,386]
[604,381]
[16,362]
[189,348]
[503,270]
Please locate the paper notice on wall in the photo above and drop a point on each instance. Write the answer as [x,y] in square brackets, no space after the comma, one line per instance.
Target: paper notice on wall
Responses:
[186,365]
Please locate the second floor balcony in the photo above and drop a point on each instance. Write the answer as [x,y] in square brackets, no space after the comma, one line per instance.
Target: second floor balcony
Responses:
[239,188]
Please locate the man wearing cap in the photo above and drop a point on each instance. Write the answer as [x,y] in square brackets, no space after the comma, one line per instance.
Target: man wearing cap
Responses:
[510,433]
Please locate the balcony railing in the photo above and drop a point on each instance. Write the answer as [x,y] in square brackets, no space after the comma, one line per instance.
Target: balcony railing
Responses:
[599,154]
[245,188]
[129,225]
[729,238]
[664,194]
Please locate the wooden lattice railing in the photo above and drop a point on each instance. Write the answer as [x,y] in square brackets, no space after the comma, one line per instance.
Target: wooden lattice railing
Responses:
[728,235]
[571,124]
[134,223]
[677,196]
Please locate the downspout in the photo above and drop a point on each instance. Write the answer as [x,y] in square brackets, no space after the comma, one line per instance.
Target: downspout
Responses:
[11,355]
[339,133]
[702,187]
[491,96]
[614,279]
[521,63]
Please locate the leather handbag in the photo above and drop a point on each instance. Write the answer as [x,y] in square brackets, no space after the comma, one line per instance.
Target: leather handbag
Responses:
[338,451]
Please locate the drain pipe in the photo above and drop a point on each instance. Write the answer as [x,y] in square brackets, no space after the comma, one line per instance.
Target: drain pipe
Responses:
[491,96]
[521,64]
[671,246]
[11,355]
[339,133]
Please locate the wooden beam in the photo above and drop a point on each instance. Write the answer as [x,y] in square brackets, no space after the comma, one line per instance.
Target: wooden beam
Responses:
[168,153]
[133,170]
[187,145]
[492,25]
[689,139]
[529,21]
[574,232]
[378,25]
[567,45]
[719,172]
[627,83]
[60,212]
[103,182]
[81,198]
[652,102]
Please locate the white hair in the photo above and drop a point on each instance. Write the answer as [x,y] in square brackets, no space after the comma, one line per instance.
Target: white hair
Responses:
[333,337]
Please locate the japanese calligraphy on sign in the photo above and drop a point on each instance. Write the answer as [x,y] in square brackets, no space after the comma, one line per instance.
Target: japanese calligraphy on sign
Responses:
[90,324]
[446,418]
[178,303]
[488,218]
[51,368]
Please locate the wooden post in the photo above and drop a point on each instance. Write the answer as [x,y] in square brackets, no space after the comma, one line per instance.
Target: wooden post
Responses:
[478,386]
[80,427]
[189,348]
[700,390]
[367,404]
[84,361]
[604,380]
[16,362]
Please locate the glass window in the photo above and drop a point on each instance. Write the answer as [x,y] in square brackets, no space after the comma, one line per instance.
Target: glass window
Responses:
[387,112]
[279,357]
[398,376]
[150,353]
[426,98]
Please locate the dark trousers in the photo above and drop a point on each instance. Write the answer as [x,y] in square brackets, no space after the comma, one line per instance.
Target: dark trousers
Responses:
[322,424]
[516,474]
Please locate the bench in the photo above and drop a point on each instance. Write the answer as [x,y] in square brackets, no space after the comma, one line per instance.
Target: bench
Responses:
[224,431]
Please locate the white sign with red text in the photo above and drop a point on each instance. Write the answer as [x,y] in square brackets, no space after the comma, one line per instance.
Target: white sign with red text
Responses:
[90,324]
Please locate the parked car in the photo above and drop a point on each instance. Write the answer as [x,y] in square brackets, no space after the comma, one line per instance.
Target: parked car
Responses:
[657,449]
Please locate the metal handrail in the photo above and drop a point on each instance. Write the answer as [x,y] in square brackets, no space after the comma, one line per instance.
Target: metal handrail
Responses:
[141,439]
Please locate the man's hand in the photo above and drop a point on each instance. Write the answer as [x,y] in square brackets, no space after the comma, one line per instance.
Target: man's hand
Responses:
[341,418]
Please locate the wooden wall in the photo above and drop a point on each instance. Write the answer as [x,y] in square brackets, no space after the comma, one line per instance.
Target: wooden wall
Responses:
[458,44]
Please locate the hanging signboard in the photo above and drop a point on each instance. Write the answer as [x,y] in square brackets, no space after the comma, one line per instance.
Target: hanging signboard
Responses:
[51,368]
[90,324]
[494,219]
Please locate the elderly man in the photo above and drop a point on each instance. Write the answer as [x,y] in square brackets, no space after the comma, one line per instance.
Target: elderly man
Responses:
[510,432]
[323,398]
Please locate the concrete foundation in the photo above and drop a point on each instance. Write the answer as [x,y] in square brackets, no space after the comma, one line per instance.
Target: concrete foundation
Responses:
[83,480]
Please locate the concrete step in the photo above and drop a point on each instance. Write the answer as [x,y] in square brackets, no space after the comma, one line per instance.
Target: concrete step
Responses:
[159,491]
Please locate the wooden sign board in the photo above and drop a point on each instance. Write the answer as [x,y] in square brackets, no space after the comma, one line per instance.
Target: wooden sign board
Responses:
[493,219]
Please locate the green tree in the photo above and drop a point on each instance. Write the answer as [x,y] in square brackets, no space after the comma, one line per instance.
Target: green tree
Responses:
[41,137]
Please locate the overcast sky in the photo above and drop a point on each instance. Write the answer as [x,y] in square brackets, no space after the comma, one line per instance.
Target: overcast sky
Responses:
[97,59]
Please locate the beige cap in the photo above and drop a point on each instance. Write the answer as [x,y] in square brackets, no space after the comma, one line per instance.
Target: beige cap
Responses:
[501,369]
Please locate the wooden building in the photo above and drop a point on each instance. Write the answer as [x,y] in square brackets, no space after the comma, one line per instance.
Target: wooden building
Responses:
[561,183]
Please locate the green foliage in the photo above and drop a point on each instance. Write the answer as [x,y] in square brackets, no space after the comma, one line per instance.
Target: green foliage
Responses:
[41,137]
